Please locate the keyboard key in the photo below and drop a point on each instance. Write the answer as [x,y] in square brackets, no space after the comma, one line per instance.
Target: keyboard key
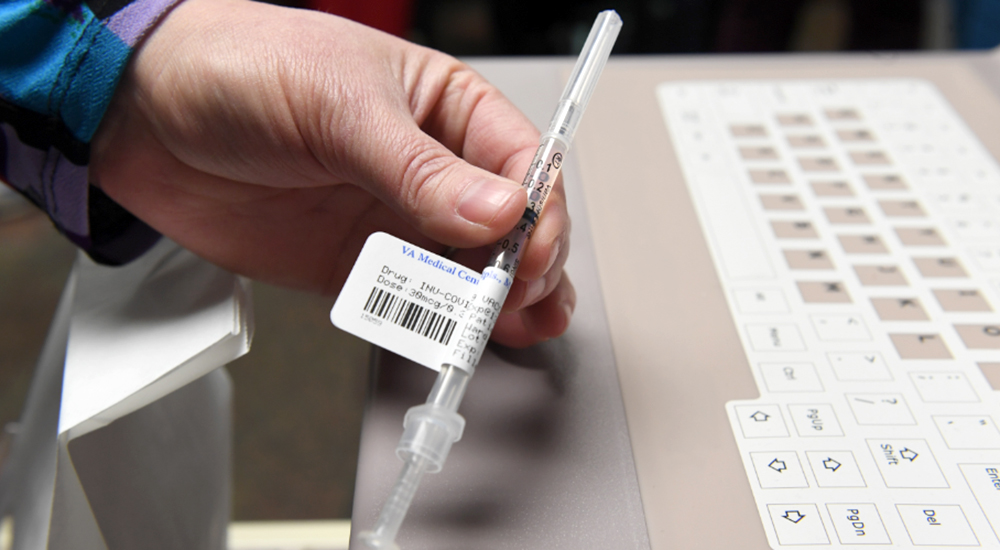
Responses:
[859,366]
[979,336]
[806,142]
[758,153]
[920,236]
[969,432]
[907,464]
[954,200]
[991,371]
[832,189]
[760,301]
[851,215]
[920,346]
[823,292]
[761,421]
[885,182]
[835,469]
[937,525]
[790,377]
[855,136]
[772,202]
[984,480]
[795,119]
[794,230]
[816,420]
[943,387]
[770,177]
[842,115]
[797,524]
[808,259]
[880,409]
[775,337]
[961,300]
[880,275]
[976,227]
[778,470]
[899,309]
[818,164]
[858,524]
[988,258]
[870,158]
[747,130]
[862,244]
[902,209]
[840,328]
[939,267]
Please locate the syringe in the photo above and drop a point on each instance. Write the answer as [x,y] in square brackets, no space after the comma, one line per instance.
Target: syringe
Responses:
[431,429]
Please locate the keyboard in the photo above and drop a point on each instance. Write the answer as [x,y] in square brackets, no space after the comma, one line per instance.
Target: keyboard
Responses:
[855,229]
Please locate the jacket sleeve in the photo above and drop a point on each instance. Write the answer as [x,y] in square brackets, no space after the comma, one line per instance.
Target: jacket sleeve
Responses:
[60,61]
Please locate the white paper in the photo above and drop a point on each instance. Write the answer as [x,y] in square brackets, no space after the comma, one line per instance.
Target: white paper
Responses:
[123,339]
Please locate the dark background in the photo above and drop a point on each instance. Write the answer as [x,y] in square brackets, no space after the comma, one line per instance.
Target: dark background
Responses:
[300,392]
[559,27]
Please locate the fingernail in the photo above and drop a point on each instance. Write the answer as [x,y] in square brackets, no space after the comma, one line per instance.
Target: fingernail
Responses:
[553,255]
[568,311]
[483,198]
[568,305]
[534,291]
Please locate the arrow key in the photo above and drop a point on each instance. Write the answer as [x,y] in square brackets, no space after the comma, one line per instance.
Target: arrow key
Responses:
[778,469]
[760,420]
[835,469]
[797,524]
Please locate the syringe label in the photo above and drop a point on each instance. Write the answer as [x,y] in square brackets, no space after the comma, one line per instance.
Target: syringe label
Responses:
[483,315]
[386,305]
[418,304]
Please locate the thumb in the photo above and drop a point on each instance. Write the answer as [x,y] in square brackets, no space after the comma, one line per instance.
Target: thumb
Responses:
[442,195]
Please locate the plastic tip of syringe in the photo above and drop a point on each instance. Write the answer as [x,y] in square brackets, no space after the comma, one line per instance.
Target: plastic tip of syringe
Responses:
[376,542]
[593,57]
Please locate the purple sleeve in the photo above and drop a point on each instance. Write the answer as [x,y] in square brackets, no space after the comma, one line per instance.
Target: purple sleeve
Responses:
[60,62]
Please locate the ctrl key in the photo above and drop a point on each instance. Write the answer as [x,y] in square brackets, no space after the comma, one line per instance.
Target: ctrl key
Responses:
[937,525]
[797,524]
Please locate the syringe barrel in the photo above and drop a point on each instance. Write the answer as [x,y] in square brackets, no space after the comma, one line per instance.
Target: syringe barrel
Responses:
[449,388]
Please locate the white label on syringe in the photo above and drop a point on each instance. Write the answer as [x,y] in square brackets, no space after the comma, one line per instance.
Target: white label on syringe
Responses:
[418,304]
[482,316]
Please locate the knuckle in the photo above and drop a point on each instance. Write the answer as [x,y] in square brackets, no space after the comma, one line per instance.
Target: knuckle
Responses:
[424,166]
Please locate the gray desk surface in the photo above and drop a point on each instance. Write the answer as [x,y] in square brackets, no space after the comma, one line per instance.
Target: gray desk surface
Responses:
[549,459]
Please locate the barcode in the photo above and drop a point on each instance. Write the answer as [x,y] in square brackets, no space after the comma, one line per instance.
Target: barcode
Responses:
[411,316]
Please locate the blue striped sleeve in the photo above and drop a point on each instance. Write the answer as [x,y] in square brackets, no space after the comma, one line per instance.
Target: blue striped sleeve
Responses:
[60,62]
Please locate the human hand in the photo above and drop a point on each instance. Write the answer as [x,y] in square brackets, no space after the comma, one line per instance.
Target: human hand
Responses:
[273,141]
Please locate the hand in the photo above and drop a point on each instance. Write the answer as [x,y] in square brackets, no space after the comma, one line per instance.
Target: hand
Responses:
[273,141]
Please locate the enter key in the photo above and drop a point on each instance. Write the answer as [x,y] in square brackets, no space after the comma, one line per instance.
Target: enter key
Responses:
[984,480]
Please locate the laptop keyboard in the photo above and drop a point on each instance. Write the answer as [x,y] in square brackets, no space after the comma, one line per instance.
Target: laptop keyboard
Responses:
[855,229]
